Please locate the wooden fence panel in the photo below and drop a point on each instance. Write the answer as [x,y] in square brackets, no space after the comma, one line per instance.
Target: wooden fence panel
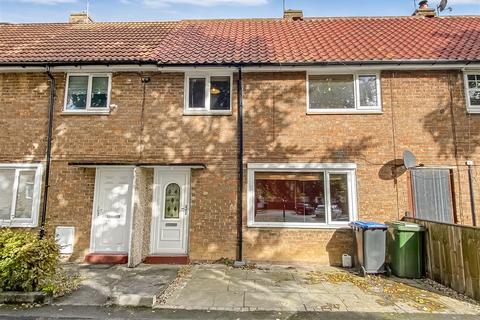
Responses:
[453,256]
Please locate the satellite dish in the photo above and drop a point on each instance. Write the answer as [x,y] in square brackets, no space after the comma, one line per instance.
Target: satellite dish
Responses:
[409,160]
[442,5]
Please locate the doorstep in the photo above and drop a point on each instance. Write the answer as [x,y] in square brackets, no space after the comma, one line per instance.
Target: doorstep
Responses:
[106,258]
[178,259]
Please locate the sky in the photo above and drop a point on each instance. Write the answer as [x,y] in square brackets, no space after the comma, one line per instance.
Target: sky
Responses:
[18,11]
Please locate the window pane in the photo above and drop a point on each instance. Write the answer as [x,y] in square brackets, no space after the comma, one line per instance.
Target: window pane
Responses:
[196,95]
[6,192]
[172,201]
[339,206]
[331,92]
[474,90]
[99,92]
[24,201]
[220,93]
[77,92]
[289,197]
[368,91]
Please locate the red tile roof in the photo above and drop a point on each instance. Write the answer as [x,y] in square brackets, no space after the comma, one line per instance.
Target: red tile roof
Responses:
[78,42]
[254,41]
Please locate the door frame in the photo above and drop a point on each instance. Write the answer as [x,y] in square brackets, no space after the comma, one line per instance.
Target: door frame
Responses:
[98,172]
[155,221]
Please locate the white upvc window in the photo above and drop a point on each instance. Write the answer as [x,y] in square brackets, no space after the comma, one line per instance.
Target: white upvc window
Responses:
[472,91]
[208,93]
[87,93]
[301,195]
[343,92]
[20,189]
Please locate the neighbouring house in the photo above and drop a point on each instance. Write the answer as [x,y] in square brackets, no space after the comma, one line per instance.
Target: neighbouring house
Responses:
[256,139]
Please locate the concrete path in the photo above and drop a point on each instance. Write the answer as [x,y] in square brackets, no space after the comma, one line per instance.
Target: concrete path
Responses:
[325,289]
[118,285]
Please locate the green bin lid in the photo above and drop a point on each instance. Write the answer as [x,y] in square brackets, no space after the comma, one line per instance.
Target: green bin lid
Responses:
[406,226]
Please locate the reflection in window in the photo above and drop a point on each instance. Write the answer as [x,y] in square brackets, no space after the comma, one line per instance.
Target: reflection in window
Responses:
[220,93]
[367,85]
[77,93]
[301,197]
[24,201]
[85,92]
[99,92]
[17,195]
[474,90]
[290,197]
[7,177]
[339,197]
[196,95]
[331,92]
[208,93]
[172,201]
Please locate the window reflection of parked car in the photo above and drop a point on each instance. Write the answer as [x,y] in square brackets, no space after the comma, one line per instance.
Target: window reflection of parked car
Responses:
[336,212]
[304,208]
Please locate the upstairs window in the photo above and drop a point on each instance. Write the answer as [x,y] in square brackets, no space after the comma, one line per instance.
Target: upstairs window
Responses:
[87,93]
[208,94]
[19,195]
[343,93]
[472,86]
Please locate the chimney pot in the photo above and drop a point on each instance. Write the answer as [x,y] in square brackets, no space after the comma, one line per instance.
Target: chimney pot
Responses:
[293,14]
[424,10]
[80,17]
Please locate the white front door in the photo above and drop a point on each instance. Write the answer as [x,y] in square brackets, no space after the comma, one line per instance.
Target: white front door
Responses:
[112,210]
[170,212]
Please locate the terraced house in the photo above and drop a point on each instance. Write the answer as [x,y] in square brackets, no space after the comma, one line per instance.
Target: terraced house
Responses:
[256,139]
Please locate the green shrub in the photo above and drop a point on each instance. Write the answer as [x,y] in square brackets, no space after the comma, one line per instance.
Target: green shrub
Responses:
[26,262]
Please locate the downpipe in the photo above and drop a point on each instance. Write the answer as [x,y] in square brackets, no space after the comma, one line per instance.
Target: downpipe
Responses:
[51,107]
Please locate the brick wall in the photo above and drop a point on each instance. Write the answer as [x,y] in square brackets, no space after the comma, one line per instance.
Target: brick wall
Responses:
[418,111]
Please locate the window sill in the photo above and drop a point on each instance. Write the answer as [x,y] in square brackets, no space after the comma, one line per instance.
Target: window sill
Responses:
[347,112]
[18,225]
[86,113]
[206,113]
[296,226]
[473,111]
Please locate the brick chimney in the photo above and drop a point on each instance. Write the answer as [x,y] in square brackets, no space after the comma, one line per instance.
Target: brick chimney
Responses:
[424,10]
[80,17]
[293,14]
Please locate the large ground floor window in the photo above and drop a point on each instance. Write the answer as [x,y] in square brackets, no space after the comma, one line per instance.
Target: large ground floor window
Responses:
[301,195]
[19,194]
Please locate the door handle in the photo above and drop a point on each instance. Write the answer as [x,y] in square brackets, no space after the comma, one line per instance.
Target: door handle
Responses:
[99,212]
[185,210]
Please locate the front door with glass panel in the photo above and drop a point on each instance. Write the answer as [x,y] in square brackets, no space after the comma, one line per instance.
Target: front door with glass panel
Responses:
[112,209]
[170,212]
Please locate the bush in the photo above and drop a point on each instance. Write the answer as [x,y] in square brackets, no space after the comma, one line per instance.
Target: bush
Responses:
[26,262]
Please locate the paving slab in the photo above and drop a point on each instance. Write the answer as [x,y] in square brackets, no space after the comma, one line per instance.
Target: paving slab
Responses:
[322,302]
[118,285]
[242,285]
[229,300]
[207,285]
[280,301]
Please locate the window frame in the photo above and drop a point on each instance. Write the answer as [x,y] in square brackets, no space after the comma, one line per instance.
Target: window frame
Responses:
[205,111]
[88,109]
[328,168]
[356,90]
[23,222]
[470,108]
